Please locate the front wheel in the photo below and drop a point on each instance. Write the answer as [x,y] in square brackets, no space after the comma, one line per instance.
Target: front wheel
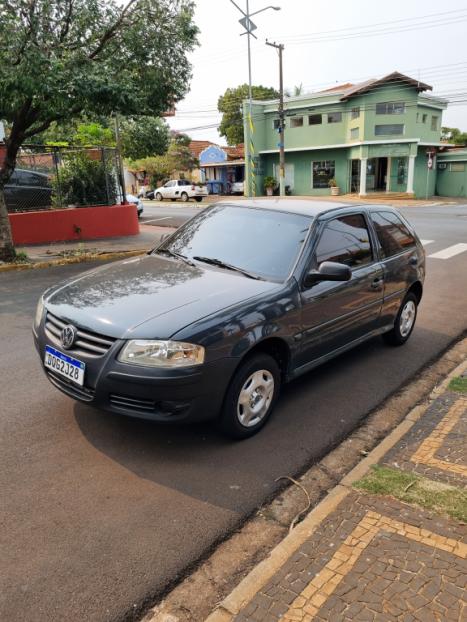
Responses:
[404,323]
[184,197]
[250,397]
[159,196]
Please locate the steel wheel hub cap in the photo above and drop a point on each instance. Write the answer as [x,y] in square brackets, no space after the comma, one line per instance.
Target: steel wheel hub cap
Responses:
[407,318]
[255,398]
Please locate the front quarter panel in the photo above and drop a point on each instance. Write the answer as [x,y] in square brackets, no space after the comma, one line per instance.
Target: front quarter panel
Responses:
[232,332]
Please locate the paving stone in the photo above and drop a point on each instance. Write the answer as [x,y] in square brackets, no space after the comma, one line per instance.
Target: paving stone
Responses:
[398,574]
[429,437]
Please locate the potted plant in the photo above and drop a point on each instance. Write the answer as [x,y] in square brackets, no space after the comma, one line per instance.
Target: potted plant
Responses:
[269,184]
[335,190]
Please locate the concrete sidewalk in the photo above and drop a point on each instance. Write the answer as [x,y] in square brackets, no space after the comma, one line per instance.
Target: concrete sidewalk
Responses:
[147,238]
[388,543]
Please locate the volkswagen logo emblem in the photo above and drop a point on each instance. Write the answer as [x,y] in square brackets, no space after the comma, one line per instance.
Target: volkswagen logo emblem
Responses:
[68,336]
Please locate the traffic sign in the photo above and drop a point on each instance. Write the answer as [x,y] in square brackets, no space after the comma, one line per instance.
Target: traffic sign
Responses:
[247,24]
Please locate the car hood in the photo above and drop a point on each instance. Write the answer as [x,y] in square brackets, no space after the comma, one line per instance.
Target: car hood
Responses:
[148,297]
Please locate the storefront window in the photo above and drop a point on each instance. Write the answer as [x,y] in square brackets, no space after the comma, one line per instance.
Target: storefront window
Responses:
[323,172]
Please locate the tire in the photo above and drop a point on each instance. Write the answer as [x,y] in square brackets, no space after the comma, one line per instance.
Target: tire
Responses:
[239,420]
[198,199]
[158,196]
[184,197]
[404,322]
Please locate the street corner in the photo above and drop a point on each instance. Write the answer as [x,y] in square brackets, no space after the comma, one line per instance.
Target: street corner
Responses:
[372,558]
[435,446]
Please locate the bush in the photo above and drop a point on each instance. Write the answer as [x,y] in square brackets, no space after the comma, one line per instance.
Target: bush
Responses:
[83,181]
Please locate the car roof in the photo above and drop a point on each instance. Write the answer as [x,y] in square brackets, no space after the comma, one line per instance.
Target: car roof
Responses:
[303,207]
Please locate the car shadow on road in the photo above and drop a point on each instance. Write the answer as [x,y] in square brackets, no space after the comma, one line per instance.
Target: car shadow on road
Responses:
[313,414]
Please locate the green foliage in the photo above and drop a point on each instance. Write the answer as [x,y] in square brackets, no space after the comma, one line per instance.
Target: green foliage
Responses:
[230,104]
[454,135]
[92,134]
[269,182]
[84,181]
[60,59]
[144,136]
[163,167]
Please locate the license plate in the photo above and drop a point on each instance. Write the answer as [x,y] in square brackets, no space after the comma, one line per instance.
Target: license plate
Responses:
[64,365]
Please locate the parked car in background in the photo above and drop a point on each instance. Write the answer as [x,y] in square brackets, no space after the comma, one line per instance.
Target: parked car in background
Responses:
[242,298]
[180,189]
[237,187]
[139,204]
[28,190]
[149,195]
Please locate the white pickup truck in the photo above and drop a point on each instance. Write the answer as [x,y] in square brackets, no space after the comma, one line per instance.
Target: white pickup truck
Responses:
[180,189]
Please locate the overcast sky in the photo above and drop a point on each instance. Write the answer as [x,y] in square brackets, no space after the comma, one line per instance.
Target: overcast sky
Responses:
[426,40]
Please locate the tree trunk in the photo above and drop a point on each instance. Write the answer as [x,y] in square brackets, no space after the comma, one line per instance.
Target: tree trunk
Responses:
[7,248]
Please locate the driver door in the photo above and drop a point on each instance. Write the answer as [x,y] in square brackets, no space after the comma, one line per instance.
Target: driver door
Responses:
[335,313]
[167,191]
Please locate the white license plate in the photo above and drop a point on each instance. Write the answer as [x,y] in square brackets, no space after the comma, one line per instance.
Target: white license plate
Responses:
[64,365]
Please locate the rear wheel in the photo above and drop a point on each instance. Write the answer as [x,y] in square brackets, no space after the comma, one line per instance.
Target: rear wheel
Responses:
[404,323]
[250,397]
[184,197]
[198,199]
[159,196]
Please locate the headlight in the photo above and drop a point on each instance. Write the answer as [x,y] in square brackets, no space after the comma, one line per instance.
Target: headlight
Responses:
[162,353]
[39,312]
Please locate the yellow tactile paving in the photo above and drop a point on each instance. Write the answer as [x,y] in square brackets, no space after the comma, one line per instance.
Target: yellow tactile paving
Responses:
[307,604]
[425,454]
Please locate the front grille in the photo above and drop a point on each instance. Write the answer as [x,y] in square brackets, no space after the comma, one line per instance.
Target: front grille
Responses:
[88,343]
[131,403]
[80,393]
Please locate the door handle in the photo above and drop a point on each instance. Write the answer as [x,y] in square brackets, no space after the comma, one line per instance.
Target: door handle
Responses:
[377,283]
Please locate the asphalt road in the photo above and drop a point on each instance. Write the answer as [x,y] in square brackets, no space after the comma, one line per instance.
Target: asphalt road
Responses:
[100,513]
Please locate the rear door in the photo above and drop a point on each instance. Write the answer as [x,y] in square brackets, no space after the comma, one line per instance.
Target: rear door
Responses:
[336,313]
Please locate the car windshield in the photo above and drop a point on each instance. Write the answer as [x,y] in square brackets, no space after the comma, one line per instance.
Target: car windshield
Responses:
[261,242]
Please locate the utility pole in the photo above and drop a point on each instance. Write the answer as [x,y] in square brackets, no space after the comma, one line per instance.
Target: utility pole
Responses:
[121,173]
[280,49]
[249,28]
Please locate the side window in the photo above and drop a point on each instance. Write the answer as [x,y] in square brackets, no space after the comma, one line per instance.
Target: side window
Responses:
[393,234]
[26,178]
[345,240]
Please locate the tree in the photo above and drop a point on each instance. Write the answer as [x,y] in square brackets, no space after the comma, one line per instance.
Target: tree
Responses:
[454,135]
[230,104]
[60,59]
[144,136]
[162,167]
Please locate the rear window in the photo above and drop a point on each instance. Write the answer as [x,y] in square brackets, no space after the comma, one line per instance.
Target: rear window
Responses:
[392,232]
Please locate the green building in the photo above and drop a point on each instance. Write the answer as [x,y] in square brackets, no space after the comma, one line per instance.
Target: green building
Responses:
[451,174]
[379,136]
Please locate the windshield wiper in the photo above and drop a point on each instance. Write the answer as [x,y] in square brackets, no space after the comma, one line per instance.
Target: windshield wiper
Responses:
[227,266]
[165,251]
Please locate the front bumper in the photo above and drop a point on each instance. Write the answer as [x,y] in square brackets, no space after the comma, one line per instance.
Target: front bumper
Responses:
[164,395]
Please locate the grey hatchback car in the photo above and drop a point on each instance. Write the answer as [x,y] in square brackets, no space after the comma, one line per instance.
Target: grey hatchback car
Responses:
[244,297]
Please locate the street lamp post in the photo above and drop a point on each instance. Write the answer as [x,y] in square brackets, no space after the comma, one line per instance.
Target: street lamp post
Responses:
[249,27]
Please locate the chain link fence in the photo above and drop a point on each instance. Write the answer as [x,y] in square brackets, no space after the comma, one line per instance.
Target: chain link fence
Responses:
[56,177]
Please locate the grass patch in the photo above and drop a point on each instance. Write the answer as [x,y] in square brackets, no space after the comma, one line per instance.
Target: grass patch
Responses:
[21,257]
[418,490]
[459,384]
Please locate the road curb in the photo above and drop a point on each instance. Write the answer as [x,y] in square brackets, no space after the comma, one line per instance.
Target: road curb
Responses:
[259,576]
[63,261]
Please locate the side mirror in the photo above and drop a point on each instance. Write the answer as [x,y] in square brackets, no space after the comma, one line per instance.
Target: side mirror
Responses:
[328,271]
